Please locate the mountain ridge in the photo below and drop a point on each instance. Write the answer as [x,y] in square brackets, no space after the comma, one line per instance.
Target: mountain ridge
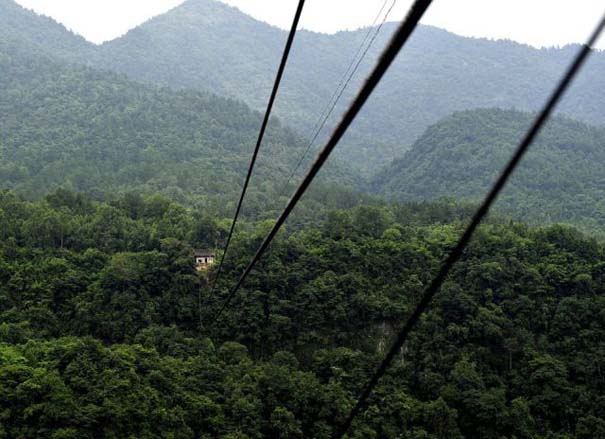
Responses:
[559,180]
[74,127]
[210,46]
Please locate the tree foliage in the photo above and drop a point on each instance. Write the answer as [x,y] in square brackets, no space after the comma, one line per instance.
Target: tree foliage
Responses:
[99,133]
[100,336]
[559,180]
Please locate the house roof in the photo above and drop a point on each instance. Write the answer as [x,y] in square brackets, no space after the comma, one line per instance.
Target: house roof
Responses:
[203,253]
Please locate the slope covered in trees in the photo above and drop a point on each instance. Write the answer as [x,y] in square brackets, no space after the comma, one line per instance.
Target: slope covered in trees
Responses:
[92,131]
[99,331]
[206,44]
[560,180]
[209,46]
[40,34]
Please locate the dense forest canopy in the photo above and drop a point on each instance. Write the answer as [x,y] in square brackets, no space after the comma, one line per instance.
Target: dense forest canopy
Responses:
[206,45]
[100,337]
[86,130]
[560,180]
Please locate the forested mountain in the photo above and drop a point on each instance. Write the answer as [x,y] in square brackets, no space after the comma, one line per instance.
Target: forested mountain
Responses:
[40,34]
[207,45]
[560,180]
[77,128]
[99,327]
[107,185]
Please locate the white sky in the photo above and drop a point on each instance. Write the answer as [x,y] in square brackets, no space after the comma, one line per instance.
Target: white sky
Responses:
[536,22]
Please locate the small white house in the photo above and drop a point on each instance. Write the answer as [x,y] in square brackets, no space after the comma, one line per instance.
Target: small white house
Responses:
[203,258]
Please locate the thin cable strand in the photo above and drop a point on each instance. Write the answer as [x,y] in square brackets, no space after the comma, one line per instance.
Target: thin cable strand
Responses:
[456,253]
[261,134]
[399,39]
[338,94]
[351,64]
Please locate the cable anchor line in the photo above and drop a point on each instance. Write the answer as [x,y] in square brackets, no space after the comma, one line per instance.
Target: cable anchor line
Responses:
[261,134]
[401,36]
[342,86]
[483,210]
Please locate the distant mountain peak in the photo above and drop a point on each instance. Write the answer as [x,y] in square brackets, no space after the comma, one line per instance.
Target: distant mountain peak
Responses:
[39,32]
[211,46]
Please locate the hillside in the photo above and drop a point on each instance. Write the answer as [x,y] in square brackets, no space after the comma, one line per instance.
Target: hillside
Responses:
[99,328]
[560,180]
[209,46]
[81,129]
[40,34]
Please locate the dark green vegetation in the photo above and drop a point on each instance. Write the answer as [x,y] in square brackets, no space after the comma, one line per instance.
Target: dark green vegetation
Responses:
[99,326]
[437,73]
[560,180]
[206,45]
[73,127]
[104,323]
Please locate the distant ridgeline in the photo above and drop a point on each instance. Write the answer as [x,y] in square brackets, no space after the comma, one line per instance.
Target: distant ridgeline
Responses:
[74,127]
[209,46]
[66,125]
[99,326]
[561,179]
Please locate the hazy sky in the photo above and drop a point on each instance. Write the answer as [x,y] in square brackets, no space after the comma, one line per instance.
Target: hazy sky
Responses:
[535,22]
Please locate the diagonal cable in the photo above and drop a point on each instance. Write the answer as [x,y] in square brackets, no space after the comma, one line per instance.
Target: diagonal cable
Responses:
[456,253]
[398,40]
[261,134]
[340,89]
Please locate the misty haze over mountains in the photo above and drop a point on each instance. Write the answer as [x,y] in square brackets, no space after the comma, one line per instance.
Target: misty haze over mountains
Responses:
[207,45]
[204,49]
